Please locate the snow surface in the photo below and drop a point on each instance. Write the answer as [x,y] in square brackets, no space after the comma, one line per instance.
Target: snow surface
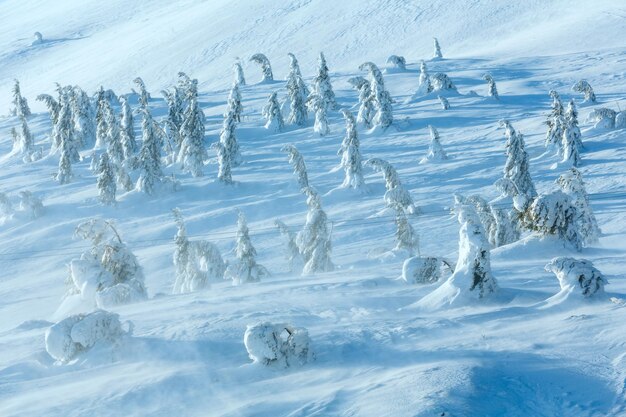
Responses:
[513,355]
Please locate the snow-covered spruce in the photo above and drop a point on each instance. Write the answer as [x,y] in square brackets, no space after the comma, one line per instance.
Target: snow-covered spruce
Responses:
[229,140]
[505,229]
[20,104]
[224,160]
[31,204]
[321,84]
[292,252]
[366,101]
[396,194]
[572,131]
[192,153]
[571,182]
[24,139]
[570,148]
[297,92]
[84,118]
[406,238]
[69,154]
[101,127]
[445,104]
[555,214]
[435,150]
[266,68]
[481,208]
[106,180]
[584,87]
[381,97]
[556,125]
[114,139]
[197,263]
[351,160]
[144,96]
[280,345]
[602,118]
[319,107]
[492,90]
[314,240]
[297,162]
[441,82]
[398,62]
[245,269]
[108,273]
[516,181]
[52,106]
[239,77]
[233,103]
[577,275]
[425,85]
[127,125]
[437,49]
[149,161]
[77,334]
[272,114]
[174,119]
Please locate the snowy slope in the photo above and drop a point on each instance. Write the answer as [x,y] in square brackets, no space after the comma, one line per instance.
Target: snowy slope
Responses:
[377,353]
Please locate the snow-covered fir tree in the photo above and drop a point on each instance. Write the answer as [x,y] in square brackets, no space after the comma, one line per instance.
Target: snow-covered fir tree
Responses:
[505,230]
[52,105]
[441,82]
[233,103]
[297,92]
[481,208]
[492,90]
[106,180]
[435,150]
[571,182]
[577,274]
[229,140]
[273,115]
[122,177]
[366,101]
[20,104]
[516,181]
[425,86]
[445,104]
[292,252]
[396,194]
[319,107]
[239,77]
[398,62]
[570,148]
[149,161]
[556,123]
[322,85]
[25,140]
[555,214]
[144,96]
[101,126]
[127,132]
[192,152]
[246,269]
[351,160]
[314,240]
[437,51]
[31,204]
[113,137]
[406,237]
[572,131]
[297,162]
[382,99]
[266,68]
[584,87]
[224,158]
[69,154]
[174,120]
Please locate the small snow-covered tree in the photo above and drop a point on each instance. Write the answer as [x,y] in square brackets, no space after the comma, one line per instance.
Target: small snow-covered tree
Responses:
[556,124]
[266,68]
[273,115]
[321,84]
[84,119]
[441,82]
[31,204]
[437,51]
[297,92]
[292,252]
[69,154]
[571,182]
[113,137]
[398,62]
[435,150]
[239,77]
[602,118]
[425,85]
[572,131]
[149,160]
[492,89]
[505,230]
[246,269]
[445,104]
[570,149]
[127,125]
[297,162]
[396,194]
[52,105]
[382,98]
[175,116]
[224,160]
[314,240]
[516,181]
[555,214]
[144,96]
[406,237]
[106,180]
[316,104]
[229,140]
[233,103]
[266,344]
[101,126]
[481,208]
[192,152]
[351,160]
[20,104]
[25,140]
[584,87]
[366,101]
[577,274]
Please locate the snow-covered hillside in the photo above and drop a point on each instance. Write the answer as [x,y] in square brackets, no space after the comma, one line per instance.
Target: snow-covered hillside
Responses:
[381,347]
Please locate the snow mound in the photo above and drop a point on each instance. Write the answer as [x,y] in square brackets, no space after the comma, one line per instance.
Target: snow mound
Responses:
[278,344]
[79,333]
[418,270]
[577,278]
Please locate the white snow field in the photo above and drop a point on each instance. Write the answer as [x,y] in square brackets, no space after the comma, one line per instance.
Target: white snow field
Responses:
[376,349]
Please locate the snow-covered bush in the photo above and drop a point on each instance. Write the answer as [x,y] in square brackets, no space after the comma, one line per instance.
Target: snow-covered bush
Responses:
[421,270]
[266,68]
[398,62]
[297,162]
[31,204]
[602,118]
[197,263]
[505,229]
[441,82]
[292,252]
[435,150]
[279,345]
[381,97]
[437,51]
[571,182]
[6,207]
[492,89]
[577,275]
[38,39]
[445,104]
[272,113]
[108,273]
[351,155]
[314,240]
[396,194]
[584,87]
[77,334]
[245,269]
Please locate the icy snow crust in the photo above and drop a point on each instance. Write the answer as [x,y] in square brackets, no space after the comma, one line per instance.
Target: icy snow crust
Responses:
[521,352]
